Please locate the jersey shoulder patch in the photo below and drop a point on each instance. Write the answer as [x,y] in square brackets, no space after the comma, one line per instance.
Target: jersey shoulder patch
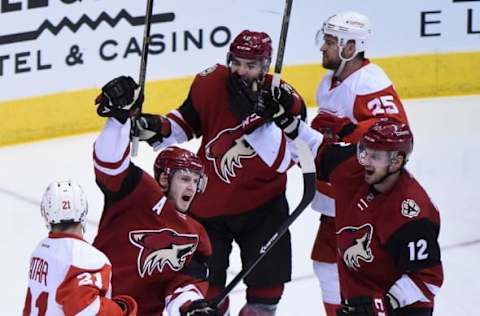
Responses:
[410,208]
[216,70]
[208,71]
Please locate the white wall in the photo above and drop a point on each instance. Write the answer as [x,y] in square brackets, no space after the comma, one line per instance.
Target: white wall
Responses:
[37,66]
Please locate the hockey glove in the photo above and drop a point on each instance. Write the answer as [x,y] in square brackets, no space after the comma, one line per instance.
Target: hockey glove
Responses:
[277,106]
[153,128]
[199,308]
[243,96]
[127,304]
[120,98]
[332,125]
[367,306]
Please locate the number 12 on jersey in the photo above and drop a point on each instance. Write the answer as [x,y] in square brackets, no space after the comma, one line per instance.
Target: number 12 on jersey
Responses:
[417,250]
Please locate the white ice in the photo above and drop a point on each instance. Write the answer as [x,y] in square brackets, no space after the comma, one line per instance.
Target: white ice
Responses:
[444,160]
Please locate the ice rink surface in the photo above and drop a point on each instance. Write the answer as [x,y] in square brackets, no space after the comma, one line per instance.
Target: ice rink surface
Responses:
[445,160]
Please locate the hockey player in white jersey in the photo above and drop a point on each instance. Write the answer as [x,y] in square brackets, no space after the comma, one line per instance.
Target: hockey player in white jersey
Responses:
[67,275]
[352,96]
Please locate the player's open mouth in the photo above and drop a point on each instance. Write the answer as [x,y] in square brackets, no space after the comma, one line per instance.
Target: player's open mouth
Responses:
[186,198]
[369,172]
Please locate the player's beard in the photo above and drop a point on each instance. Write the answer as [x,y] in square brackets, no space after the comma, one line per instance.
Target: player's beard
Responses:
[243,108]
[330,64]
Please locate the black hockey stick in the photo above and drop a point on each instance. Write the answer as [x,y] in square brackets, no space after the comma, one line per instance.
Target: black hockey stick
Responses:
[309,184]
[143,73]
[281,44]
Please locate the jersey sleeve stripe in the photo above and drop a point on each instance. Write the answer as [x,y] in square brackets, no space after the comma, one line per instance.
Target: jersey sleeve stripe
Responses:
[181,296]
[406,291]
[115,164]
[177,117]
[91,309]
[112,171]
[432,288]
[283,159]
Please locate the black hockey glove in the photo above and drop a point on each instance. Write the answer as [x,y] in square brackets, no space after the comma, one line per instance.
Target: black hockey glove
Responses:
[153,128]
[199,308]
[120,98]
[277,106]
[367,306]
[243,96]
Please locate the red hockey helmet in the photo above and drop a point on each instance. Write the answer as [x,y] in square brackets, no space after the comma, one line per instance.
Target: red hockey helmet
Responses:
[174,158]
[251,45]
[389,135]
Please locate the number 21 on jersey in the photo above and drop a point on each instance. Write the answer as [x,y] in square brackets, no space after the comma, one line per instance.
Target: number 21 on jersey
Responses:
[41,300]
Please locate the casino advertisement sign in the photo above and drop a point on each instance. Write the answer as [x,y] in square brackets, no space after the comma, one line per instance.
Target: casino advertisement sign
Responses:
[59,45]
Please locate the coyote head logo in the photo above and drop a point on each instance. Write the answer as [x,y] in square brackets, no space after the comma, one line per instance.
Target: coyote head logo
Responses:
[162,247]
[226,150]
[355,245]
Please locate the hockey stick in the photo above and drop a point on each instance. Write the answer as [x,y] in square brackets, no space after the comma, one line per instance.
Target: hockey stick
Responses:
[281,44]
[143,73]
[309,182]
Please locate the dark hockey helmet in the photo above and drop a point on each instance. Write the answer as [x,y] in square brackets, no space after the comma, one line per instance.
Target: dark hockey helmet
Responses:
[389,135]
[175,158]
[251,45]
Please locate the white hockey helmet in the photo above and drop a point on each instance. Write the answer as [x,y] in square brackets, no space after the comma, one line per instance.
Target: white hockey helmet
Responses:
[64,202]
[346,26]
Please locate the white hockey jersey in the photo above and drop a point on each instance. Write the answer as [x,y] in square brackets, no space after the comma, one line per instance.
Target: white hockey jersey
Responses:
[364,96]
[68,276]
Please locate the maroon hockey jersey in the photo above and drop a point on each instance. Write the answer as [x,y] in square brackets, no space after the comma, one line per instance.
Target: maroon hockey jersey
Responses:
[386,242]
[149,243]
[238,179]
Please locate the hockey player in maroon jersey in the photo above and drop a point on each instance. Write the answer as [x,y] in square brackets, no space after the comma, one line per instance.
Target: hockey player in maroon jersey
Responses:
[67,275]
[353,95]
[386,225]
[238,205]
[157,249]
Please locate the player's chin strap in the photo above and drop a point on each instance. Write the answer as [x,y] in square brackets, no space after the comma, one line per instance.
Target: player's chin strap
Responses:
[343,60]
[307,165]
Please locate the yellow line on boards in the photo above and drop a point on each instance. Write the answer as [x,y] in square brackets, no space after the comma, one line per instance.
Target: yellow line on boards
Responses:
[70,113]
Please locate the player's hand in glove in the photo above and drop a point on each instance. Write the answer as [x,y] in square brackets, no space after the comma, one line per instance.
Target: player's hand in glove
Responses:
[368,306]
[278,106]
[199,308]
[153,128]
[127,304]
[121,98]
[333,126]
[243,96]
